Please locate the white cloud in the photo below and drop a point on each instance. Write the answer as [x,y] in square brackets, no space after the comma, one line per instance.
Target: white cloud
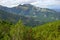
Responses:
[39,3]
[46,3]
[11,3]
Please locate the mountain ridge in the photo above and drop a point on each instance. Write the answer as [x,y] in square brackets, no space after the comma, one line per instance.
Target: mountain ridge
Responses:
[33,15]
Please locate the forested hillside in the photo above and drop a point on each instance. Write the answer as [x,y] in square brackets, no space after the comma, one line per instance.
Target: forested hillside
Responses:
[29,14]
[27,22]
[49,31]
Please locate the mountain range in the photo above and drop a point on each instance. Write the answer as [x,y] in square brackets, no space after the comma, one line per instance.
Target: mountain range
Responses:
[29,14]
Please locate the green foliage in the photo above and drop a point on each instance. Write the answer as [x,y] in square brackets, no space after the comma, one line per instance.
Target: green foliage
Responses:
[49,31]
[17,32]
[4,30]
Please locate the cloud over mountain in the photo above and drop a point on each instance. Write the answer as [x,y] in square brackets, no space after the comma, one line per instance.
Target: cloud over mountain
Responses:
[47,3]
[39,3]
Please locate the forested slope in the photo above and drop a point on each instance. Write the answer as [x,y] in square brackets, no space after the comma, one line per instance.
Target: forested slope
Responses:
[49,31]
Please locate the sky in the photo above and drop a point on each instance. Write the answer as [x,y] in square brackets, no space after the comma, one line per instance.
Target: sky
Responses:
[38,3]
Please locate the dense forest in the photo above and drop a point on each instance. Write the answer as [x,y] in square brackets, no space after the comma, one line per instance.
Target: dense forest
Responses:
[18,31]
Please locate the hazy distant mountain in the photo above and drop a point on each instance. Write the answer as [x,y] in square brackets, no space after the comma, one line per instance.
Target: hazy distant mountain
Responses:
[58,10]
[35,15]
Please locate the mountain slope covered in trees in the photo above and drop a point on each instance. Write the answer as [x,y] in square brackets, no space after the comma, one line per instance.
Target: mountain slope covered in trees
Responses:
[14,18]
[49,31]
[30,15]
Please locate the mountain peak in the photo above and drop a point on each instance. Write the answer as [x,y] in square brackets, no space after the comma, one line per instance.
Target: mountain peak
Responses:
[42,15]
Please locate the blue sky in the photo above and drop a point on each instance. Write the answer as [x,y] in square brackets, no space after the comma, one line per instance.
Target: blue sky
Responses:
[38,3]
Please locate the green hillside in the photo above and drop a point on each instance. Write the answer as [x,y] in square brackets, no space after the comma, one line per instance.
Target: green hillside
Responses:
[49,31]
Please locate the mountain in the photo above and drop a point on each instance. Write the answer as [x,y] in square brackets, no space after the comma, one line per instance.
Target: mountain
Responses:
[58,10]
[8,16]
[14,18]
[31,15]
